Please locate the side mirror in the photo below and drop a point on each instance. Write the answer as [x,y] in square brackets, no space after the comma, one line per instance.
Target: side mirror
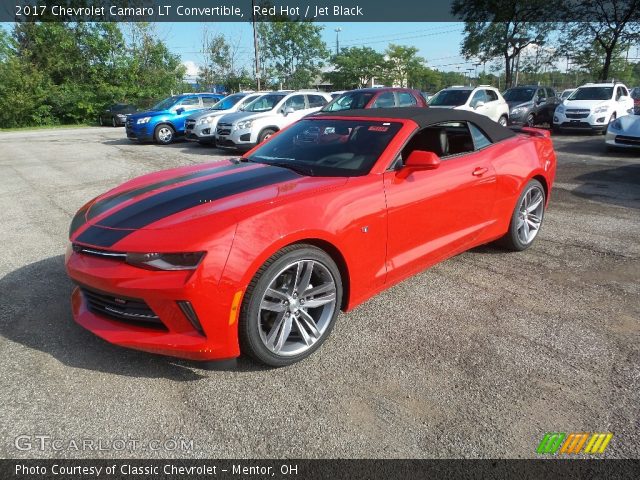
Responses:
[478,104]
[288,110]
[179,110]
[421,160]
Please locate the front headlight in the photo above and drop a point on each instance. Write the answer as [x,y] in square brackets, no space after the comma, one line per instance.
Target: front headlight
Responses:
[560,109]
[166,261]
[120,115]
[204,120]
[143,120]
[617,124]
[601,109]
[243,125]
[518,110]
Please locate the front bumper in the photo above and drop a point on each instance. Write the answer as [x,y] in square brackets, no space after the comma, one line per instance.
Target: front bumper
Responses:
[140,132]
[228,137]
[204,133]
[162,293]
[596,122]
[615,138]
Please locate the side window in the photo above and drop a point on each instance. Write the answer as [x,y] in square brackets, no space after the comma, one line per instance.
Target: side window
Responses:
[190,102]
[405,99]
[618,93]
[384,100]
[491,96]
[551,93]
[479,96]
[209,101]
[296,102]
[542,95]
[480,140]
[625,92]
[316,101]
[445,140]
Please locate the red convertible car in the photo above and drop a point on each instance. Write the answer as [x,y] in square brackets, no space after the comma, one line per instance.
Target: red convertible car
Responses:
[258,254]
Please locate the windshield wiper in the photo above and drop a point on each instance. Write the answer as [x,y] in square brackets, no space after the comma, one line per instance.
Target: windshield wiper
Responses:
[302,170]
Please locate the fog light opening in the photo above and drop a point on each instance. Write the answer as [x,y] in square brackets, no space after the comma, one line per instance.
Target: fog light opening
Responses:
[190,313]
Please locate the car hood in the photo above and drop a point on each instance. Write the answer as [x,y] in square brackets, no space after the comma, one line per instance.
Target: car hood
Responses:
[584,104]
[517,104]
[242,115]
[181,197]
[149,113]
[629,124]
[207,113]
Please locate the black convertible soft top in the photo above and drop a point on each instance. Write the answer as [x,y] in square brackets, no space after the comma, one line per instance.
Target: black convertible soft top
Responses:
[426,117]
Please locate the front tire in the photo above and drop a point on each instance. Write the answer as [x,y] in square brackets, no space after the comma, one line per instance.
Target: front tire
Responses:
[530,121]
[265,134]
[290,306]
[100,121]
[113,122]
[164,134]
[503,120]
[527,218]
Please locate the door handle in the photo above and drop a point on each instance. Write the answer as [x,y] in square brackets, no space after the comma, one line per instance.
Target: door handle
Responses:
[479,171]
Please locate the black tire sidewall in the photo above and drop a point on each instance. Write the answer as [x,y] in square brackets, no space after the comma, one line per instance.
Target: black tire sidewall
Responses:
[157,130]
[113,122]
[264,133]
[250,341]
[533,120]
[512,239]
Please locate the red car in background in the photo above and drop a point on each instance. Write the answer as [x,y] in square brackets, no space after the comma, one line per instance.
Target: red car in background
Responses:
[386,97]
[259,254]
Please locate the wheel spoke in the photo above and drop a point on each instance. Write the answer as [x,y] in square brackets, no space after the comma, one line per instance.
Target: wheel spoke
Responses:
[519,223]
[535,202]
[318,301]
[284,334]
[277,325]
[532,225]
[273,293]
[272,306]
[535,219]
[326,287]
[303,333]
[525,231]
[302,281]
[309,323]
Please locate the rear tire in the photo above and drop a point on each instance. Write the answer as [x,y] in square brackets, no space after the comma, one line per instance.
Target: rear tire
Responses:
[164,134]
[528,213]
[277,325]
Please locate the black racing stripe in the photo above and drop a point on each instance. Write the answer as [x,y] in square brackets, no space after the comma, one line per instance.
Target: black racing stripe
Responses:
[164,204]
[79,219]
[108,203]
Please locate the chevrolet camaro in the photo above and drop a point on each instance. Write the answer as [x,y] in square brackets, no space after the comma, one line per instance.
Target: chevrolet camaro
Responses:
[258,254]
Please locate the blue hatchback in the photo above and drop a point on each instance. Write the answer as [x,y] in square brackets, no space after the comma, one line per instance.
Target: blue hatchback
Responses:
[165,120]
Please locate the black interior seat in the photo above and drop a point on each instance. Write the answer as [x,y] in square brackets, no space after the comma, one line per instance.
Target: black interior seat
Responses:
[430,140]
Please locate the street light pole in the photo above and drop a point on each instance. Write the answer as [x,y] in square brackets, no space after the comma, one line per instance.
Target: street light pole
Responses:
[255,44]
[337,30]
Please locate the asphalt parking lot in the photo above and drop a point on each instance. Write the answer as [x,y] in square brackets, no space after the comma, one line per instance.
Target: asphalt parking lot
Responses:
[476,357]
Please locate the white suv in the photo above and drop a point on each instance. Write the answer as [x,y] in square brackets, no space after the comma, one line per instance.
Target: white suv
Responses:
[593,106]
[265,116]
[482,99]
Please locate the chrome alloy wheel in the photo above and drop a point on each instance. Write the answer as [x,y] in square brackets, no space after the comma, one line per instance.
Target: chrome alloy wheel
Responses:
[165,134]
[297,307]
[530,213]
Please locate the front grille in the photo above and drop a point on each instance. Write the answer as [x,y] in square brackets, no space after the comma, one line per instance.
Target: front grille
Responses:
[577,113]
[129,122]
[576,125]
[130,310]
[626,140]
[224,129]
[190,124]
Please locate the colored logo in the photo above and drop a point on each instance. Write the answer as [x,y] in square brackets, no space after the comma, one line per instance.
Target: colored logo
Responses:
[572,443]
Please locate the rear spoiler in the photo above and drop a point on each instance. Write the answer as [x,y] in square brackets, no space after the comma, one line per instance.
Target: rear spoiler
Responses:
[532,132]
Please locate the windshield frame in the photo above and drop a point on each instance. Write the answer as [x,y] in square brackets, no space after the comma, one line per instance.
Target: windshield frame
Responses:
[281,96]
[582,89]
[169,102]
[520,89]
[368,96]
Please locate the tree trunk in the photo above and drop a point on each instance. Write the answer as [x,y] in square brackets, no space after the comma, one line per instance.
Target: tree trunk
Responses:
[604,73]
[507,71]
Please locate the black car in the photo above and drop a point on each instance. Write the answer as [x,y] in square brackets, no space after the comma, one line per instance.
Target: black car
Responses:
[116,115]
[531,105]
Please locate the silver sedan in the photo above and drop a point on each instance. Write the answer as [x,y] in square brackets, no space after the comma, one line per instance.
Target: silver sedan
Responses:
[624,132]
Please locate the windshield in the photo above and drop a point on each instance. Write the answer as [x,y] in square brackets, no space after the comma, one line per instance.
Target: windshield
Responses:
[566,93]
[592,93]
[335,148]
[165,104]
[349,101]
[228,102]
[119,107]
[264,103]
[519,94]
[450,98]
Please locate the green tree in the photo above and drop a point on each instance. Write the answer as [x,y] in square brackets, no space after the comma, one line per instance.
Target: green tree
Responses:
[600,31]
[356,67]
[515,24]
[292,51]
[401,63]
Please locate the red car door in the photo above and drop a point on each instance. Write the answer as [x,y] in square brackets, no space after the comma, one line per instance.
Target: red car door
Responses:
[435,213]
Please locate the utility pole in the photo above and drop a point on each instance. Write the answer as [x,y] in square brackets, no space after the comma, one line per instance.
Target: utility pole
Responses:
[337,30]
[255,44]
